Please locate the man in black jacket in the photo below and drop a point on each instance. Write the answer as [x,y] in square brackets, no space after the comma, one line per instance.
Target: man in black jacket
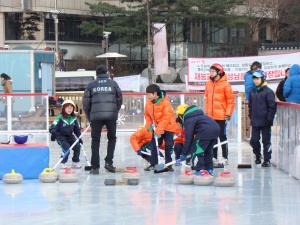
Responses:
[279,90]
[102,101]
[262,110]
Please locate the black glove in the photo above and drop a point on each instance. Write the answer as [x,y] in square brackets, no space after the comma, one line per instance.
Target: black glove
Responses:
[80,141]
[53,138]
[139,152]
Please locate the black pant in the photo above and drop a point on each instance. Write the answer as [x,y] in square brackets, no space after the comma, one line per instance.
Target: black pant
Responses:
[168,137]
[266,140]
[222,137]
[66,143]
[97,126]
[205,159]
[178,150]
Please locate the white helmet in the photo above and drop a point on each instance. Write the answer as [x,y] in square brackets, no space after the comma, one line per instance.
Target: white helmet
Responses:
[69,102]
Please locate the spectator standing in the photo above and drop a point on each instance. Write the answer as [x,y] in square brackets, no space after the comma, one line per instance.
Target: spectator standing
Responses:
[6,83]
[279,90]
[291,88]
[249,84]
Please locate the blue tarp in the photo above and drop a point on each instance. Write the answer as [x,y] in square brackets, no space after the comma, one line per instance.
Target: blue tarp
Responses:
[25,159]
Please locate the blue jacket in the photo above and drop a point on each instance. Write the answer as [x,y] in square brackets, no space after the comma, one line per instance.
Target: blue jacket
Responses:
[249,84]
[262,107]
[197,126]
[291,88]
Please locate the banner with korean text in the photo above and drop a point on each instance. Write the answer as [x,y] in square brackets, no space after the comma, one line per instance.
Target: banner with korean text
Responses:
[236,67]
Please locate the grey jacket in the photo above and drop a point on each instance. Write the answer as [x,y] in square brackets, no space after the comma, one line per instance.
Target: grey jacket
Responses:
[102,99]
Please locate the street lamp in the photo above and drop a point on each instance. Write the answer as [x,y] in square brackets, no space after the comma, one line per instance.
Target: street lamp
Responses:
[106,36]
[55,13]
[149,43]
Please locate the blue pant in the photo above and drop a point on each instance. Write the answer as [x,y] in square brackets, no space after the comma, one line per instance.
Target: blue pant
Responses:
[66,143]
[266,140]
[168,137]
[223,137]
[178,150]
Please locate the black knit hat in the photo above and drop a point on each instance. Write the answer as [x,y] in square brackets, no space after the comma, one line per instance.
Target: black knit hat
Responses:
[101,69]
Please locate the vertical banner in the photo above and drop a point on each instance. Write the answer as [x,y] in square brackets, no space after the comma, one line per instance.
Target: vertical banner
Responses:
[160,49]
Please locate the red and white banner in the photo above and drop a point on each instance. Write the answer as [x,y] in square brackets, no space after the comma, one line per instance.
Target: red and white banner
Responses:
[160,49]
[236,67]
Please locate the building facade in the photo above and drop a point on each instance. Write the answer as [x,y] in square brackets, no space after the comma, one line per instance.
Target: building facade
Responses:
[29,24]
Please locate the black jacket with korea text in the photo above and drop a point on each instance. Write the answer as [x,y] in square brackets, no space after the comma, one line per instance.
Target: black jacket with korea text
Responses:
[102,99]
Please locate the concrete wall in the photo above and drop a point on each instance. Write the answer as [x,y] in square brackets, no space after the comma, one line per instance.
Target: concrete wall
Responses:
[65,6]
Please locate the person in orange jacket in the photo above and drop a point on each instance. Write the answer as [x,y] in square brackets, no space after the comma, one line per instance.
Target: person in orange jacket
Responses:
[141,141]
[159,115]
[219,104]
[179,140]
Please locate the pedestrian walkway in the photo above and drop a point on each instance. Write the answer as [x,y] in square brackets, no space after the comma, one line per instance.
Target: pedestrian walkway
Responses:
[261,196]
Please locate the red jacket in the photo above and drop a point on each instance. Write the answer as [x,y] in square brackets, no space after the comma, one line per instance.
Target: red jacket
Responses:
[161,114]
[180,135]
[219,99]
[139,138]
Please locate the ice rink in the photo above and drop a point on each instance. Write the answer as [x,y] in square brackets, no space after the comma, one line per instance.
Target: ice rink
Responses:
[261,196]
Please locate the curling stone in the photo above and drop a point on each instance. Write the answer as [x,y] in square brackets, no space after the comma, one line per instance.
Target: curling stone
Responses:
[186,178]
[110,182]
[133,181]
[204,179]
[225,179]
[12,178]
[48,176]
[68,176]
[113,182]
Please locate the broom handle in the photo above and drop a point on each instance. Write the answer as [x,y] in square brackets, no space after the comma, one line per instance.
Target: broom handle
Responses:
[216,145]
[71,148]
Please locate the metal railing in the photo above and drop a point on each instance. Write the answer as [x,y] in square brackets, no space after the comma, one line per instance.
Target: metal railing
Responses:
[131,115]
[24,113]
[286,139]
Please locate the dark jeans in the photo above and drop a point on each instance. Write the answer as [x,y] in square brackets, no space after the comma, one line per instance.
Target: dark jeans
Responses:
[168,137]
[178,150]
[222,137]
[205,159]
[266,140]
[146,146]
[97,126]
[66,143]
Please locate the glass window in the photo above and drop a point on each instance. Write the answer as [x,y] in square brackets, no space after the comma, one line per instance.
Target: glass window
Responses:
[72,83]
[13,26]
[69,29]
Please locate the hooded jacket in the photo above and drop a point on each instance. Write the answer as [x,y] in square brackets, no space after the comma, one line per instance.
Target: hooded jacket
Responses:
[279,90]
[140,137]
[102,99]
[249,84]
[291,88]
[262,106]
[197,126]
[219,99]
[161,114]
